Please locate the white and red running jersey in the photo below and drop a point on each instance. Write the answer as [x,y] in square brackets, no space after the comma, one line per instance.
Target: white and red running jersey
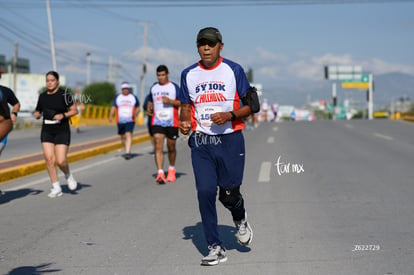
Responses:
[126,106]
[211,90]
[165,115]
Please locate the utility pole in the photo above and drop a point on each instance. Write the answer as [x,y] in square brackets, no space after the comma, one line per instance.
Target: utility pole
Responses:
[370,97]
[88,68]
[52,43]
[142,79]
[110,73]
[15,68]
[334,100]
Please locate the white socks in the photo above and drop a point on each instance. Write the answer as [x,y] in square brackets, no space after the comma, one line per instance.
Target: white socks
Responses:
[56,186]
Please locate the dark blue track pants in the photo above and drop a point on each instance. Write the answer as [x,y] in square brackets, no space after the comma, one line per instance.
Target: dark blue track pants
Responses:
[218,161]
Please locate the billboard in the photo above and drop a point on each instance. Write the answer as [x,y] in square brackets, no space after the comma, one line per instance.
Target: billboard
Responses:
[27,88]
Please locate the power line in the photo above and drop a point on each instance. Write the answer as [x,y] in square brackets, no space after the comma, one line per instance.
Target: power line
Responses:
[187,3]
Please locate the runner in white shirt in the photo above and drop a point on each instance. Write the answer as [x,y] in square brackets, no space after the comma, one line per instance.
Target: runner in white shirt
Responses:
[163,106]
[126,107]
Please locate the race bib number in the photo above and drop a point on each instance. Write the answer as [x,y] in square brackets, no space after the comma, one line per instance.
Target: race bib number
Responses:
[204,114]
[125,112]
[48,121]
[164,115]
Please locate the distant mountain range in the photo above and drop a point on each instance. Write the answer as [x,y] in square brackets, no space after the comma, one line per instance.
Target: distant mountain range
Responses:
[387,87]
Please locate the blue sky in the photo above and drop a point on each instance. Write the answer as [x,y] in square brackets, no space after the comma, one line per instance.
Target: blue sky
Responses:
[285,45]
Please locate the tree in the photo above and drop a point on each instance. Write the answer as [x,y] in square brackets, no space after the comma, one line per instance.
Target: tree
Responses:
[100,93]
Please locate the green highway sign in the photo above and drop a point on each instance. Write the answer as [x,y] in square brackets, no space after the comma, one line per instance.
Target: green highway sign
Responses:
[364,78]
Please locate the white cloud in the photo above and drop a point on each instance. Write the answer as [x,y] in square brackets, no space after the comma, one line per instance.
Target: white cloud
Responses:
[303,67]
[378,66]
[77,46]
[271,72]
[269,67]
[175,60]
[263,55]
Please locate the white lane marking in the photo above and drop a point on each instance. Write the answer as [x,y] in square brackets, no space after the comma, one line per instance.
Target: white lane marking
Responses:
[45,179]
[349,126]
[270,139]
[275,129]
[264,174]
[383,136]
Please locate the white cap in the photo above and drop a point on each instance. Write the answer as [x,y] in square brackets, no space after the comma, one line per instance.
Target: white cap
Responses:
[125,85]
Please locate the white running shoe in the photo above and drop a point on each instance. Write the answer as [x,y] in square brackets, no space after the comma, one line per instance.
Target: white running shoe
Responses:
[55,192]
[216,255]
[72,183]
[244,231]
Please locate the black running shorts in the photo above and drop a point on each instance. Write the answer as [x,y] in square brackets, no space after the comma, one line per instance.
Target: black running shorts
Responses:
[169,132]
[55,135]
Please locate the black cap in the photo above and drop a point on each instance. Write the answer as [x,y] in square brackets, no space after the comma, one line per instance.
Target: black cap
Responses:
[209,33]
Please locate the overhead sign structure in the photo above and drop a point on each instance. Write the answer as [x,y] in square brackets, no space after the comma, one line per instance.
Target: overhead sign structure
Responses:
[351,77]
[336,72]
[357,83]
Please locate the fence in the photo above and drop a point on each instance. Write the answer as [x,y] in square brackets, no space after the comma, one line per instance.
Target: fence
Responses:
[98,115]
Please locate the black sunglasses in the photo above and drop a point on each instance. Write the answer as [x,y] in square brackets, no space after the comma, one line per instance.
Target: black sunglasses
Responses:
[204,42]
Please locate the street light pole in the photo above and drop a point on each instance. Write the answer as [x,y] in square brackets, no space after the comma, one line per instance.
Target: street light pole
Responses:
[88,68]
[142,79]
[370,99]
[52,43]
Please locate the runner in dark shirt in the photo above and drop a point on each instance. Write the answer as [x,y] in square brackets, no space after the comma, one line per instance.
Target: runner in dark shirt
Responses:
[56,107]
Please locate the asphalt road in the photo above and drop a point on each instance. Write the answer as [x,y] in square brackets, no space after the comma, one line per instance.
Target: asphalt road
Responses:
[323,197]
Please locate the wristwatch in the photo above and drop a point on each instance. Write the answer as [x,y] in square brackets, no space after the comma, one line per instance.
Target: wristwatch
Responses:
[14,113]
[233,116]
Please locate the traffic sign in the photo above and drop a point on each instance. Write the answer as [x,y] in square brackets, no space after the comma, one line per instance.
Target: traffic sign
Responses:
[365,78]
[362,82]
[343,72]
[355,85]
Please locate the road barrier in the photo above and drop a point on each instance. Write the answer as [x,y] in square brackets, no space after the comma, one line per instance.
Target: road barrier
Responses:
[96,112]
[408,116]
[98,115]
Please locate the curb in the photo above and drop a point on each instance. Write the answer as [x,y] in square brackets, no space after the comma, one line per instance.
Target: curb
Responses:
[37,166]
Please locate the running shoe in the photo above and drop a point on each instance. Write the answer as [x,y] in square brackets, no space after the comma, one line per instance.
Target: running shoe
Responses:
[244,231]
[160,178]
[72,183]
[216,255]
[55,192]
[171,175]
